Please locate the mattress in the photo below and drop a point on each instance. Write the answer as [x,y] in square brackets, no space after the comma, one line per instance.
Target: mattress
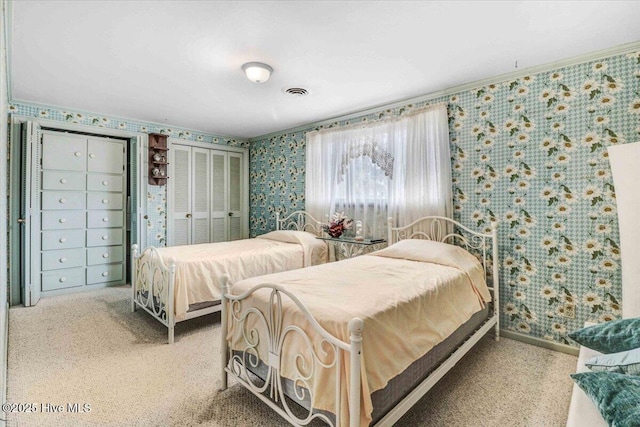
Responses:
[398,387]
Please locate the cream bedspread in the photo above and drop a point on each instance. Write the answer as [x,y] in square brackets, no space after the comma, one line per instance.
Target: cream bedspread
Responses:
[199,267]
[411,296]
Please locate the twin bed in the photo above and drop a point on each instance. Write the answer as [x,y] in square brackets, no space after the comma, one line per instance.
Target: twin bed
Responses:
[356,342]
[179,283]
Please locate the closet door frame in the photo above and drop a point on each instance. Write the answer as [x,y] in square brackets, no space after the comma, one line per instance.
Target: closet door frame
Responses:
[214,147]
[138,176]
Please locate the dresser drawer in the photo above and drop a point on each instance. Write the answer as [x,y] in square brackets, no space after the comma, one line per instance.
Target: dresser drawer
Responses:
[102,182]
[62,239]
[66,258]
[61,279]
[64,152]
[57,220]
[104,273]
[104,201]
[104,255]
[62,200]
[62,181]
[105,156]
[101,219]
[104,236]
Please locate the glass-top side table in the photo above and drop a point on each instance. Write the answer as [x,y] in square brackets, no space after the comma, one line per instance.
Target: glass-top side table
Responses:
[348,247]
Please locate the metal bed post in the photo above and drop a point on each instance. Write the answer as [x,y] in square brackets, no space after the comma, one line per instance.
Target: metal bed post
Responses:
[496,278]
[224,280]
[170,300]
[356,325]
[277,220]
[389,231]
[134,273]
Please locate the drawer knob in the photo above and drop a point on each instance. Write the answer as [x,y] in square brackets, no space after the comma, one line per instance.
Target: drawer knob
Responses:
[105,219]
[62,220]
[105,274]
[105,201]
[63,239]
[92,156]
[105,255]
[63,181]
[105,237]
[77,154]
[63,259]
[63,279]
[105,182]
[63,201]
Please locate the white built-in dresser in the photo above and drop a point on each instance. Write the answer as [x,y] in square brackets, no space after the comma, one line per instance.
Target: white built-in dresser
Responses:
[83,196]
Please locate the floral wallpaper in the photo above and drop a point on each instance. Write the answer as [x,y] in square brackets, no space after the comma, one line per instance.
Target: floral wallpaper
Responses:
[156,195]
[532,154]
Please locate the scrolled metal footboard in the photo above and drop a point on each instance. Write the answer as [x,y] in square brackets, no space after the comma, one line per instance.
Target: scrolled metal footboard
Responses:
[255,358]
[152,286]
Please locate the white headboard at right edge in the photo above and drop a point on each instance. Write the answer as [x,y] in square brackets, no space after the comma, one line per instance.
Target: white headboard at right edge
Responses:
[625,167]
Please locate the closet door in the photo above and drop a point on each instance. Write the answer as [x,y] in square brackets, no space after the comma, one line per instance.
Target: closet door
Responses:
[30,213]
[181,195]
[219,213]
[201,180]
[235,191]
[207,195]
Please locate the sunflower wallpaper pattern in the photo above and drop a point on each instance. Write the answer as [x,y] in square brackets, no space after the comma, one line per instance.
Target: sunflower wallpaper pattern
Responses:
[532,154]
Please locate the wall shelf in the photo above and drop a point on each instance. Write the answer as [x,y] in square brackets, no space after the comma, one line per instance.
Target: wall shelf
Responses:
[158,159]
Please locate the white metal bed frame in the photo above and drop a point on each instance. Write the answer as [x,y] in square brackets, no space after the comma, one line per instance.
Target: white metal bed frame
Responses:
[152,281]
[271,388]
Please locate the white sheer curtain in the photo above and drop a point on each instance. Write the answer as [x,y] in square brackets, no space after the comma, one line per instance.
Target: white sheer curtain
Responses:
[399,168]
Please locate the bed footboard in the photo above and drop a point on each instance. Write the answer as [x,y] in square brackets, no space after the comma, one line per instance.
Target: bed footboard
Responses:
[152,285]
[261,336]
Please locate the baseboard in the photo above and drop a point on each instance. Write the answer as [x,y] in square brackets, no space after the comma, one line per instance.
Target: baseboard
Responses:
[538,342]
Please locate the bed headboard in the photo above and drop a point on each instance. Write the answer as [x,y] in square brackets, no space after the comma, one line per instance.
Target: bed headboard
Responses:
[446,230]
[299,220]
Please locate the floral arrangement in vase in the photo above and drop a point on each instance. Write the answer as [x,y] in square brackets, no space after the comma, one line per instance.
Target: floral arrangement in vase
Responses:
[337,225]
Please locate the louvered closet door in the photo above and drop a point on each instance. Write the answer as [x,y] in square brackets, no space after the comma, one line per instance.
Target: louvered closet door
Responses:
[207,195]
[201,196]
[219,196]
[181,206]
[236,186]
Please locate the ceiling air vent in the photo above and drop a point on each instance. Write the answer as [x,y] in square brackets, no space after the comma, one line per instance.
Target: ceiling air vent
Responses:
[296,91]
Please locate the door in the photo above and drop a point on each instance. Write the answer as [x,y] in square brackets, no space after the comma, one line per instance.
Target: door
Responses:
[201,194]
[219,213]
[30,213]
[181,195]
[235,191]
[227,213]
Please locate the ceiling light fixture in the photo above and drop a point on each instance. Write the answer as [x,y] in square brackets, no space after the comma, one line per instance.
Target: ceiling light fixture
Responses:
[257,72]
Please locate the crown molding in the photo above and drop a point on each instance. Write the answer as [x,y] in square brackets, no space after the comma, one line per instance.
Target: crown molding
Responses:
[574,60]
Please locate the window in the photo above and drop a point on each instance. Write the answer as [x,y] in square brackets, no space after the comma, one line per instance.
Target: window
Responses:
[399,168]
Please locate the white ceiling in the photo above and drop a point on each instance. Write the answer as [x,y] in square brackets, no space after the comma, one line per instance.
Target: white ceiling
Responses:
[179,62]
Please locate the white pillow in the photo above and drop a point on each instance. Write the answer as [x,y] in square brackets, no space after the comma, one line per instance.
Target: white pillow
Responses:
[288,236]
[426,251]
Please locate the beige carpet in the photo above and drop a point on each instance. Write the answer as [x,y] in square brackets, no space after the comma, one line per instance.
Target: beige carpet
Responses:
[89,348]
